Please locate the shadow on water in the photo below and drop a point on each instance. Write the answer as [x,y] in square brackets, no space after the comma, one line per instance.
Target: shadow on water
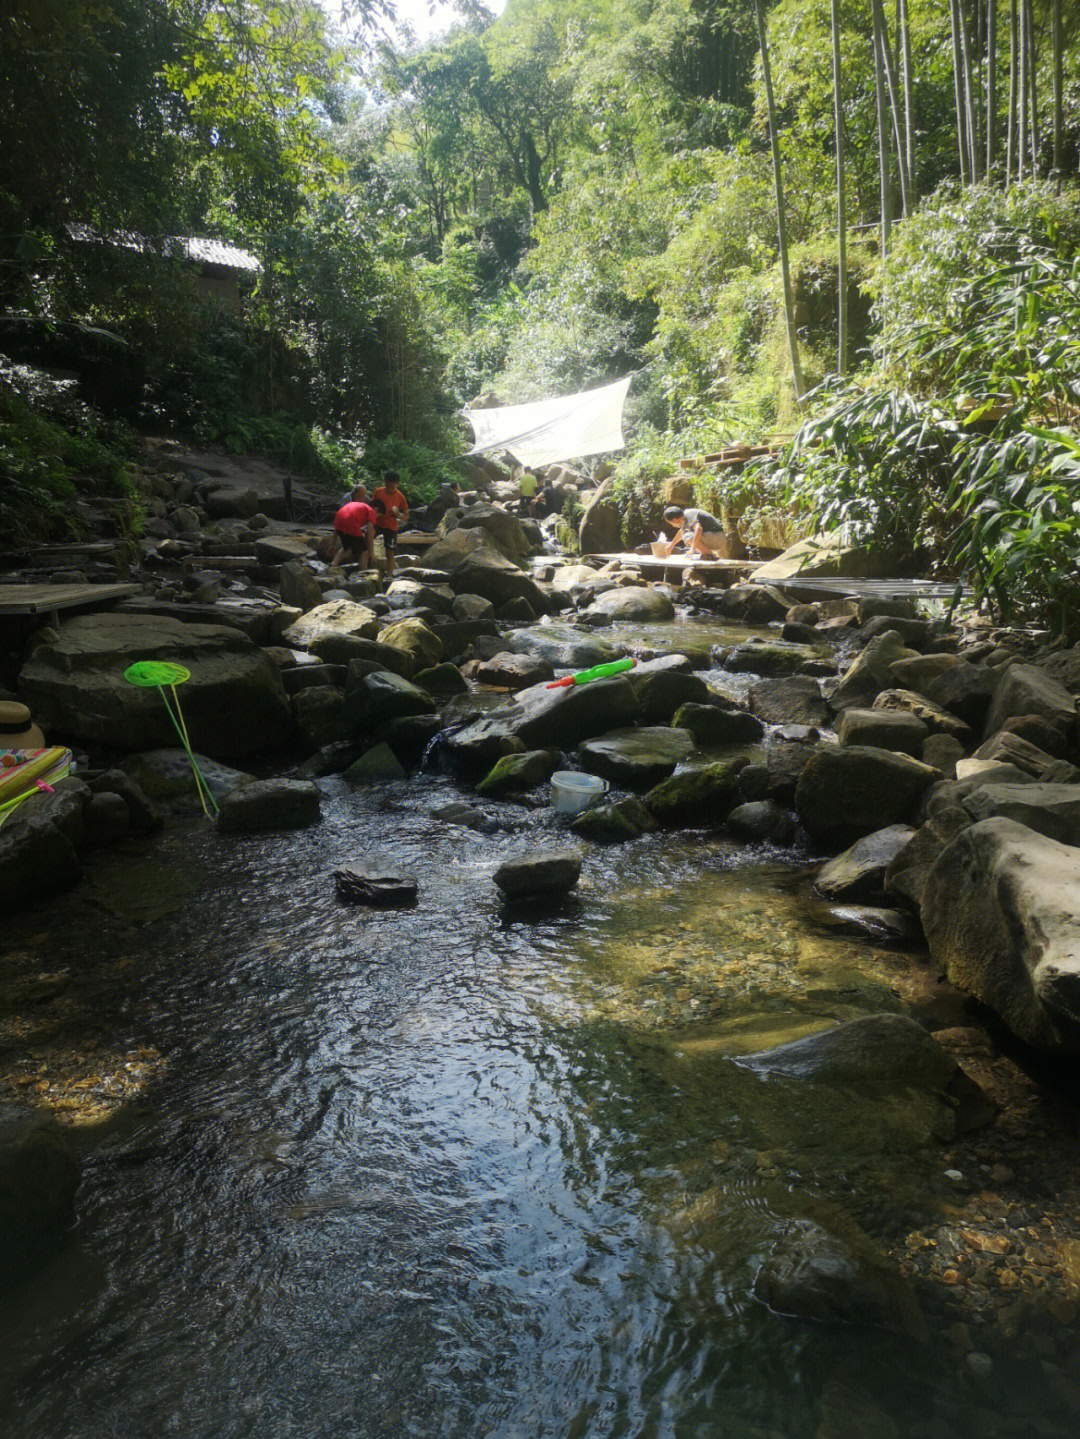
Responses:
[459,1172]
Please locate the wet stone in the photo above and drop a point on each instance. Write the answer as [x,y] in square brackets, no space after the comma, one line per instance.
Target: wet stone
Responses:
[356,884]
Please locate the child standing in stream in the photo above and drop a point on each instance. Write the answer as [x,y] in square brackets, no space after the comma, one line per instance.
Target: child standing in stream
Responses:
[392,503]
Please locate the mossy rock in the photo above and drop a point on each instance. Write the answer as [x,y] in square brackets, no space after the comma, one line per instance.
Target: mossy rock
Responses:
[701,796]
[516,773]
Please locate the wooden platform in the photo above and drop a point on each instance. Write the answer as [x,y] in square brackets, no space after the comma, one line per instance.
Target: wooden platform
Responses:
[721,572]
[831,586]
[415,540]
[50,599]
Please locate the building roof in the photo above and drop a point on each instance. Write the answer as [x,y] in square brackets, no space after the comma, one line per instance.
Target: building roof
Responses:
[195,248]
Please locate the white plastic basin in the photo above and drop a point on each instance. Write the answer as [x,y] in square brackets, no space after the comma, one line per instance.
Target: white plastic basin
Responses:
[571,791]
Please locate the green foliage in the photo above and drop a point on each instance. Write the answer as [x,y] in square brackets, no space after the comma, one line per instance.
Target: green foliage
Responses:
[423,471]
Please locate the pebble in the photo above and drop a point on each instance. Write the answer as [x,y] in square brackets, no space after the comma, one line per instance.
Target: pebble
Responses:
[954,1176]
[980,1364]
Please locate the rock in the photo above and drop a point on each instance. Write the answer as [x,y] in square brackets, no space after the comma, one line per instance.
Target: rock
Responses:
[942,751]
[870,672]
[795,699]
[305,677]
[377,698]
[410,595]
[514,671]
[234,704]
[966,690]
[107,820]
[886,729]
[906,876]
[635,757]
[415,639]
[39,1174]
[762,820]
[504,530]
[270,804]
[409,736]
[844,793]
[770,657]
[488,574]
[165,774]
[756,604]
[826,555]
[914,633]
[359,884]
[518,773]
[814,1275]
[37,859]
[1030,690]
[466,815]
[329,621]
[280,549]
[144,818]
[1039,732]
[561,719]
[888,1050]
[364,656]
[600,530]
[320,717]
[472,607]
[712,727]
[919,674]
[331,759]
[705,795]
[859,873]
[785,761]
[639,602]
[661,689]
[614,823]
[1006,747]
[562,647]
[539,874]
[999,910]
[227,501]
[1052,810]
[442,680]
[377,765]
[299,587]
[936,719]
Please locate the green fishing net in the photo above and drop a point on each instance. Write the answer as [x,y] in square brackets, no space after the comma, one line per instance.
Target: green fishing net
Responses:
[152,674]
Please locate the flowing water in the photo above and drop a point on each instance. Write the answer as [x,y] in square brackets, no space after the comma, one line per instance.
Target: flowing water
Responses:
[445,1172]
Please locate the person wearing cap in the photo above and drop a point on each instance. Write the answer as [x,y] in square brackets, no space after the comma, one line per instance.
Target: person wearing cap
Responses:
[17,730]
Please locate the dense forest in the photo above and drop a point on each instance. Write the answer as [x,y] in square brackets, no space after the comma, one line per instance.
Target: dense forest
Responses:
[850,226]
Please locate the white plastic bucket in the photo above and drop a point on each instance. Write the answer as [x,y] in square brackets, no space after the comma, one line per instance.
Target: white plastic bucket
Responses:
[571,791]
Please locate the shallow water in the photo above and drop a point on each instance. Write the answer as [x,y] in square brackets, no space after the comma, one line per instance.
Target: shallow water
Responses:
[442,1172]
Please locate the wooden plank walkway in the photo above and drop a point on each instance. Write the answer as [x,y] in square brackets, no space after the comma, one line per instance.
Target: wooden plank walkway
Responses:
[865,589]
[721,571]
[48,599]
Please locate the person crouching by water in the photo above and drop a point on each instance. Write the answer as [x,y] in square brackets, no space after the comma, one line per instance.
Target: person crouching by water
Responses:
[703,534]
[354,526]
[393,503]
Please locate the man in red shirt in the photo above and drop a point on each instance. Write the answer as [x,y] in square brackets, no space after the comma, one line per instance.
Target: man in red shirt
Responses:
[389,502]
[354,525]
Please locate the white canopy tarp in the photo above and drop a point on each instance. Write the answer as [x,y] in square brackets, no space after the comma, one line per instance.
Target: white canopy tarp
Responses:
[541,433]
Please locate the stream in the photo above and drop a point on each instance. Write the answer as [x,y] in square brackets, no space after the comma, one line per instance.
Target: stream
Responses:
[445,1172]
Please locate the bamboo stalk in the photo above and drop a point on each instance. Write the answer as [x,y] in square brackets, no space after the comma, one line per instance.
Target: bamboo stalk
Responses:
[841,209]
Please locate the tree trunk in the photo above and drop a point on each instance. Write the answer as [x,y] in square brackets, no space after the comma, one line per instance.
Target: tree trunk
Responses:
[841,208]
[781,219]
[1010,152]
[894,101]
[971,114]
[882,130]
[1033,90]
[1022,128]
[991,85]
[1055,40]
[905,58]
[958,93]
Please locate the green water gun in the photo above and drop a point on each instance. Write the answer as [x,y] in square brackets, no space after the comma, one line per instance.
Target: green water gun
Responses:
[598,672]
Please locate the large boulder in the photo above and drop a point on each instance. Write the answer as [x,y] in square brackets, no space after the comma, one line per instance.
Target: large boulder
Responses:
[1030,690]
[414,638]
[503,529]
[165,774]
[1052,810]
[518,773]
[771,657]
[488,574]
[600,530]
[39,1174]
[336,617]
[844,793]
[562,647]
[918,674]
[539,874]
[704,795]
[870,672]
[938,721]
[411,595]
[859,873]
[560,719]
[38,852]
[712,727]
[999,909]
[299,587]
[794,699]
[514,671]
[234,704]
[662,686]
[966,691]
[826,555]
[320,718]
[374,699]
[634,602]
[887,729]
[636,757]
[883,1050]
[270,804]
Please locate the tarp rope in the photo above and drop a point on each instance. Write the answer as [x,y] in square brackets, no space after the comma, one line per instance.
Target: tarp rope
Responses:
[163,675]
